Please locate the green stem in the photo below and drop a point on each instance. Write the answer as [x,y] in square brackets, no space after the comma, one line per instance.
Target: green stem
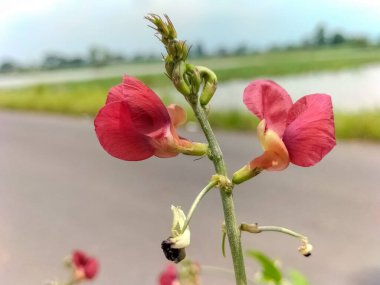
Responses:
[232,227]
[280,230]
[256,229]
[210,268]
[201,194]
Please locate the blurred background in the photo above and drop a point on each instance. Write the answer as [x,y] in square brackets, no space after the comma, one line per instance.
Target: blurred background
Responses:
[60,191]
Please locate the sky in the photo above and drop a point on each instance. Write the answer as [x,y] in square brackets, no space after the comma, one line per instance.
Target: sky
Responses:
[30,29]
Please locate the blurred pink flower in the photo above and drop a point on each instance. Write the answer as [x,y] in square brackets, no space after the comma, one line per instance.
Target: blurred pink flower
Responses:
[85,267]
[169,276]
[301,133]
[134,124]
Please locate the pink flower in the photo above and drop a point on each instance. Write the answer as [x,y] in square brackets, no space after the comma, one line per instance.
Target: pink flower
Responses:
[301,133]
[135,125]
[169,276]
[85,267]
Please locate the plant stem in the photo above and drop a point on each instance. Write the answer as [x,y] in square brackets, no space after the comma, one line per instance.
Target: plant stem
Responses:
[232,227]
[280,230]
[201,194]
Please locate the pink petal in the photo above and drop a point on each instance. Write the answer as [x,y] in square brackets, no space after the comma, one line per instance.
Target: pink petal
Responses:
[91,268]
[79,258]
[168,276]
[115,94]
[129,86]
[177,114]
[118,135]
[310,133]
[268,101]
[146,109]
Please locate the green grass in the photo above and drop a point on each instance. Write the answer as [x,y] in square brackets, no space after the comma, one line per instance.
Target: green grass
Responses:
[358,125]
[87,97]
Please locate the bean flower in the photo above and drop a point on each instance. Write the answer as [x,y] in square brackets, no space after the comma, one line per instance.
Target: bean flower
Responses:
[134,124]
[169,276]
[85,267]
[301,133]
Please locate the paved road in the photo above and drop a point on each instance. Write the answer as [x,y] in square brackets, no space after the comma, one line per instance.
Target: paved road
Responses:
[59,191]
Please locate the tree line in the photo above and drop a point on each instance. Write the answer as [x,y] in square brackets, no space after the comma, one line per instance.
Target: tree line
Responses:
[100,56]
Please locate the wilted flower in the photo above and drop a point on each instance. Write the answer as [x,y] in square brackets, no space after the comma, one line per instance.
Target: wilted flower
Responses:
[301,133]
[135,125]
[85,267]
[305,248]
[174,246]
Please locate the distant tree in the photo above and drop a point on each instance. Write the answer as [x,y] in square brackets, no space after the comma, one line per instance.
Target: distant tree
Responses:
[337,39]
[222,51]
[241,50]
[53,61]
[98,56]
[359,41]
[8,66]
[320,36]
[306,43]
[274,48]
[197,50]
[76,62]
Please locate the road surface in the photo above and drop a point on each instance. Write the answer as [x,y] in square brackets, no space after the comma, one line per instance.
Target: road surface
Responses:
[60,191]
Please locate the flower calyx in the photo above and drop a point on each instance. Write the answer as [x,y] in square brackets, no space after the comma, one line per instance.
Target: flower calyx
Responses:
[250,228]
[223,182]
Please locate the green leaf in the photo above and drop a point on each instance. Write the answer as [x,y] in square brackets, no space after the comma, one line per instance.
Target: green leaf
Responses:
[269,269]
[296,278]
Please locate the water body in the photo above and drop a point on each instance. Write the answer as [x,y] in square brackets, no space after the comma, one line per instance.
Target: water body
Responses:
[79,74]
[350,90]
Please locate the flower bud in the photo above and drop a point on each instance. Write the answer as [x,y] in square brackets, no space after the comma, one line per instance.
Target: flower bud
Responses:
[193,77]
[165,29]
[177,49]
[169,65]
[208,91]
[210,84]
[178,79]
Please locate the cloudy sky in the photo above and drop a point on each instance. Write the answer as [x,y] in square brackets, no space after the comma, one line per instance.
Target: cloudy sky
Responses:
[28,29]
